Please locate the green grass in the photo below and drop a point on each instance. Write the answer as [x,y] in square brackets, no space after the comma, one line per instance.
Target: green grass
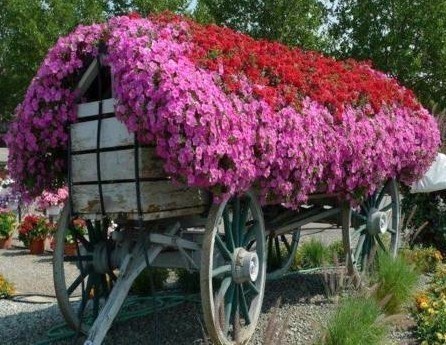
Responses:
[355,323]
[396,281]
[310,254]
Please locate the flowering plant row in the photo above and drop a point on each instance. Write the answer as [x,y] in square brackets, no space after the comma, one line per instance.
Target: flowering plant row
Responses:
[227,112]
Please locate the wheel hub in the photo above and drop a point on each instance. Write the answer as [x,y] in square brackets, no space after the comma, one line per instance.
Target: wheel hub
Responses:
[245,267]
[377,222]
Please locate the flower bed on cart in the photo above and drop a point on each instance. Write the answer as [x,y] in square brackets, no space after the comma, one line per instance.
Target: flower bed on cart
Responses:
[227,112]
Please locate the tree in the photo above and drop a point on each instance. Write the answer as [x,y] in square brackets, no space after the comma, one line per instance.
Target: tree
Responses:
[293,22]
[405,38]
[28,28]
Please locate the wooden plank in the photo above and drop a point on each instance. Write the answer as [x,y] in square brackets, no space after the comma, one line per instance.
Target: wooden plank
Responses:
[88,77]
[187,212]
[116,165]
[156,196]
[113,133]
[92,108]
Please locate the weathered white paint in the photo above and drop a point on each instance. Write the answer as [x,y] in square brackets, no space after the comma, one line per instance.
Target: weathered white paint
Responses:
[116,165]
[156,197]
[92,108]
[113,133]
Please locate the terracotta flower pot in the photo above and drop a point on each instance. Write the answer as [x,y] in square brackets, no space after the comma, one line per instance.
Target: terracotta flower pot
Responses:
[6,243]
[70,249]
[37,246]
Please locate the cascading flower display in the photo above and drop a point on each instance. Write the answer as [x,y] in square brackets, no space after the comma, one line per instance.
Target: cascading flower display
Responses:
[227,112]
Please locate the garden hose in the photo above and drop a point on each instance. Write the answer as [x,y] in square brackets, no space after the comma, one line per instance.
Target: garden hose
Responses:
[139,306]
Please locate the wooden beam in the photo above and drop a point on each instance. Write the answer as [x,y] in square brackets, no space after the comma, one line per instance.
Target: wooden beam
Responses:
[88,77]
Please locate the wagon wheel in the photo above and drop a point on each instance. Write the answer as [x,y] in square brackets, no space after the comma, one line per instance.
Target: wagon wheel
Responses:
[79,276]
[281,251]
[376,226]
[233,270]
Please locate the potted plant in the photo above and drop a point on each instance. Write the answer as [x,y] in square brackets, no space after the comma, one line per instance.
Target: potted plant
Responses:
[33,231]
[52,202]
[70,245]
[7,226]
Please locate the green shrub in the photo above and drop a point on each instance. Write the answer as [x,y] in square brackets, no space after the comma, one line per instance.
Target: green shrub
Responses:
[355,322]
[6,288]
[430,312]
[396,281]
[310,254]
[430,207]
[335,250]
[425,259]
[142,285]
[189,282]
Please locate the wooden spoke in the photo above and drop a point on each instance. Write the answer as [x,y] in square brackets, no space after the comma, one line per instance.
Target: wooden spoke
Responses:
[228,306]
[380,243]
[236,222]
[253,288]
[228,231]
[244,305]
[75,284]
[222,248]
[285,242]
[359,246]
[250,234]
[221,271]
[381,195]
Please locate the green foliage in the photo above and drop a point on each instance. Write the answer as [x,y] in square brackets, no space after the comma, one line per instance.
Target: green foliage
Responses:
[335,250]
[425,259]
[6,288]
[7,224]
[142,285]
[310,254]
[395,280]
[430,313]
[188,281]
[355,322]
[293,22]
[404,38]
[431,207]
[28,28]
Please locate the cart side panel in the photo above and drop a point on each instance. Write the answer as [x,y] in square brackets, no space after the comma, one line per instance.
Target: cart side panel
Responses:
[160,198]
[156,196]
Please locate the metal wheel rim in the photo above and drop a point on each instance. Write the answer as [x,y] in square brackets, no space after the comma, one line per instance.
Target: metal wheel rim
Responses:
[213,313]
[72,317]
[366,246]
[276,244]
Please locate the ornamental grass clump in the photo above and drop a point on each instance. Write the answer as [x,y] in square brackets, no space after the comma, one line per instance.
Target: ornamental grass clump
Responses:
[226,112]
[311,254]
[395,281]
[356,321]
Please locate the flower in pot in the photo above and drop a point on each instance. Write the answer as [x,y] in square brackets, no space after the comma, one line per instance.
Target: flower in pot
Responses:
[33,231]
[7,226]
[71,244]
[52,202]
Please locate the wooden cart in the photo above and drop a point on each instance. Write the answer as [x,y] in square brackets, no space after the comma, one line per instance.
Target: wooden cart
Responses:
[161,224]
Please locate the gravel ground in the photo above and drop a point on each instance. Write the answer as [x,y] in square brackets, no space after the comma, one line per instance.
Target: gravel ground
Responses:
[302,302]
